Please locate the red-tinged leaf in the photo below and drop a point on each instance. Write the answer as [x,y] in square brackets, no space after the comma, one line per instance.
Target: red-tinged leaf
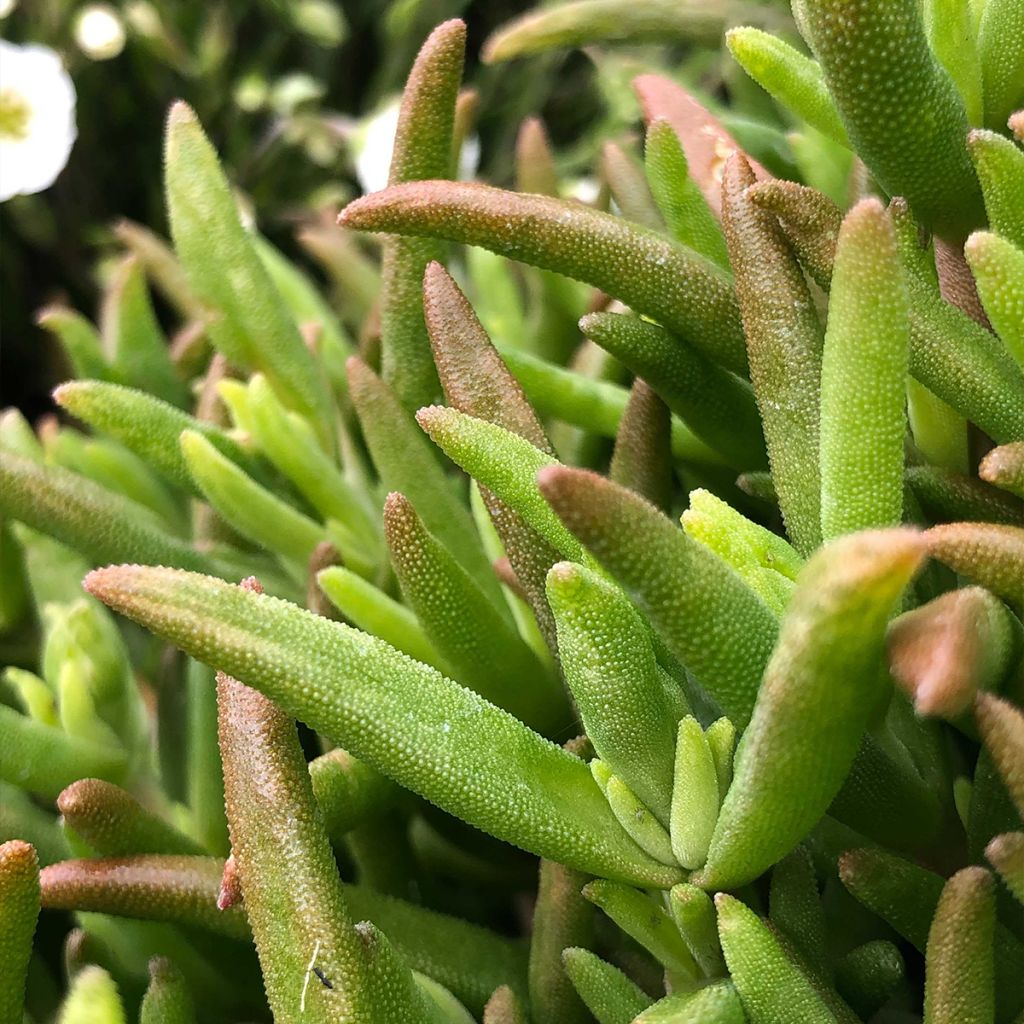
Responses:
[706,143]
[649,272]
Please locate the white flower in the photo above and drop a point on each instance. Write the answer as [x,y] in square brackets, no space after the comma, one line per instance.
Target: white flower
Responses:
[99,32]
[374,148]
[375,142]
[37,118]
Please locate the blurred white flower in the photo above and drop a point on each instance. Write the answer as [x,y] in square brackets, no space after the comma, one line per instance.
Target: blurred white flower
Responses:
[99,32]
[374,145]
[6,6]
[37,118]
[375,142]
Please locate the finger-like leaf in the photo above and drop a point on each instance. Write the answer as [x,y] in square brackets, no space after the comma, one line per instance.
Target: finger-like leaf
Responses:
[647,922]
[479,645]
[694,915]
[1001,54]
[287,441]
[1006,854]
[771,988]
[621,694]
[162,266]
[951,36]
[469,755]
[694,795]
[405,461]
[917,147]
[945,651]
[998,268]
[93,998]
[158,887]
[795,909]
[999,164]
[1004,467]
[591,21]
[1002,729]
[114,824]
[44,760]
[137,347]
[688,593]
[80,340]
[102,526]
[642,459]
[705,141]
[610,996]
[561,918]
[423,147]
[988,553]
[372,611]
[794,80]
[818,692]
[167,999]
[946,496]
[654,275]
[256,513]
[477,382]
[289,881]
[686,212]
[718,406]
[629,188]
[868,975]
[248,322]
[784,339]
[19,898]
[863,378]
[147,426]
[504,1008]
[716,1004]
[958,964]
[810,221]
[503,462]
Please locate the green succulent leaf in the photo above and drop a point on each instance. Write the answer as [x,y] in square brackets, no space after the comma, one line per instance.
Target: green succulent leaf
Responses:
[717,405]
[685,210]
[103,526]
[623,698]
[643,919]
[1002,60]
[167,999]
[250,325]
[642,457]
[784,340]
[423,148]
[863,378]
[656,276]
[19,898]
[687,593]
[610,996]
[900,106]
[999,165]
[818,691]
[478,644]
[132,337]
[958,962]
[469,754]
[795,80]
[114,824]
[998,268]
[868,975]
[769,985]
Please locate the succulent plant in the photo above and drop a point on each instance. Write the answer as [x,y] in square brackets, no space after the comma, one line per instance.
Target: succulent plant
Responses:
[770,756]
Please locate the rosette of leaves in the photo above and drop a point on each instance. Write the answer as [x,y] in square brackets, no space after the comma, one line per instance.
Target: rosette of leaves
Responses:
[715,609]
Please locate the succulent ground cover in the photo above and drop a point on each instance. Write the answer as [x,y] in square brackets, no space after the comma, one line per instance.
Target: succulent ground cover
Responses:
[584,611]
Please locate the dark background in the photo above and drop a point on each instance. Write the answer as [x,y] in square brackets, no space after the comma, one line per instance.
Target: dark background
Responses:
[52,244]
